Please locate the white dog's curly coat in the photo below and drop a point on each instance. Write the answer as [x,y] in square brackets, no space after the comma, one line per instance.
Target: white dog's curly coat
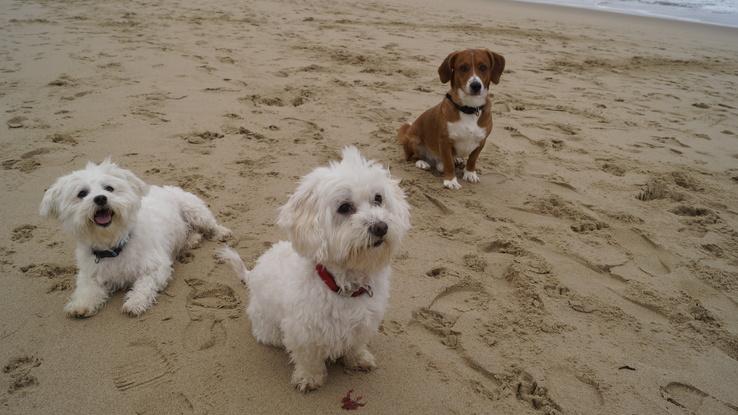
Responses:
[128,233]
[349,217]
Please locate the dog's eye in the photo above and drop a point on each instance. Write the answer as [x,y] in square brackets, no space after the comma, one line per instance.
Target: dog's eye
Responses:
[346,208]
[482,68]
[108,188]
[378,199]
[464,68]
[82,194]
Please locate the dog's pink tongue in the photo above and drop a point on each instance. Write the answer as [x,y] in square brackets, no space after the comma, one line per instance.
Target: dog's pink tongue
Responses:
[103,217]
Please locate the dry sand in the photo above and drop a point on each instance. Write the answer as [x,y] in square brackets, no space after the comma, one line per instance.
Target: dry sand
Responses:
[594,270]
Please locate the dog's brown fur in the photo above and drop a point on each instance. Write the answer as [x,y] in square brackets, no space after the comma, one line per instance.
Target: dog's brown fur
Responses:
[430,129]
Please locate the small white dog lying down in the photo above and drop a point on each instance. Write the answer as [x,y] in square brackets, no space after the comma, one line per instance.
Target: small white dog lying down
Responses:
[128,233]
[323,294]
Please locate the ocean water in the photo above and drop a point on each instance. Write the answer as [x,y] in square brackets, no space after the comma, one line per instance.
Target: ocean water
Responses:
[717,12]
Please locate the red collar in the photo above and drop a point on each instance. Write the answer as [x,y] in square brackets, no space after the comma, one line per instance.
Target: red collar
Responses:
[328,279]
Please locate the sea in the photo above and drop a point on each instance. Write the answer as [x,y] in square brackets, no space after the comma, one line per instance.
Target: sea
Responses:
[715,12]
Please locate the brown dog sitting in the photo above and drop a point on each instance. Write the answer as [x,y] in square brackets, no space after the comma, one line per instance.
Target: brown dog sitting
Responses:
[458,127]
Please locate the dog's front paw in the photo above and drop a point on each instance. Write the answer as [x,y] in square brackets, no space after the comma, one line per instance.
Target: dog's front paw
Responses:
[80,309]
[362,360]
[422,165]
[452,184]
[306,382]
[471,176]
[135,304]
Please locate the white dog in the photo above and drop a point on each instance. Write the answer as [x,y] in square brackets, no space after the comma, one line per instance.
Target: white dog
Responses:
[127,232]
[323,295]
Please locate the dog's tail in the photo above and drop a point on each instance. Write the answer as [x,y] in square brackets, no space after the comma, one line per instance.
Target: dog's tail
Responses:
[407,140]
[227,254]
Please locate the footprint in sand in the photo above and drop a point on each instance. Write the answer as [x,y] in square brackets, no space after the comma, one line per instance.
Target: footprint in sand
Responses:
[203,186]
[208,304]
[475,262]
[441,315]
[648,255]
[62,138]
[575,392]
[504,247]
[204,334]
[201,137]
[19,370]
[206,298]
[151,367]
[695,400]
[22,233]
[61,276]
[528,390]
[173,403]
[24,166]
[260,100]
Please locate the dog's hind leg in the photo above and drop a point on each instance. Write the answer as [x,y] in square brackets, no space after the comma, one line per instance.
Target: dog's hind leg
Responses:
[200,218]
[264,329]
[193,240]
[408,140]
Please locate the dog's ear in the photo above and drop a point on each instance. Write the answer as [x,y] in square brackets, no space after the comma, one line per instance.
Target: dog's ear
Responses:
[446,70]
[139,186]
[302,218]
[52,198]
[497,62]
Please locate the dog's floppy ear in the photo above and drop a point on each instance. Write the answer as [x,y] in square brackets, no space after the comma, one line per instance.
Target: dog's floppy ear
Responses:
[138,185]
[498,65]
[446,70]
[52,198]
[302,219]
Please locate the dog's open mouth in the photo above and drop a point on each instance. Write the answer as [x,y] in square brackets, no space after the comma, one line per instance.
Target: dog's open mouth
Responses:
[103,217]
[377,243]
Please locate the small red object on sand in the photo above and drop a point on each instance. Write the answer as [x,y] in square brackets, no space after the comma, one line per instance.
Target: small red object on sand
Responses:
[350,404]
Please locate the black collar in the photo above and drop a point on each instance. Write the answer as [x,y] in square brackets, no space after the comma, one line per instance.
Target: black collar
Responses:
[110,253]
[464,108]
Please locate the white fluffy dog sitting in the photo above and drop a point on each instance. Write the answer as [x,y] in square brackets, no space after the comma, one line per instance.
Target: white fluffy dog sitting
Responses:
[323,294]
[128,233]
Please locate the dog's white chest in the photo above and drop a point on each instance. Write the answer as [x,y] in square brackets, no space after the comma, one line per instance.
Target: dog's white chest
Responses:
[466,134]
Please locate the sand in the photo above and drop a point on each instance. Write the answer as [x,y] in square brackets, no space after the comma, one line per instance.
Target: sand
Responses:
[594,270]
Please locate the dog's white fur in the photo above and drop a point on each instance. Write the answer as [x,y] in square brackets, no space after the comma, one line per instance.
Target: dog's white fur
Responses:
[290,305]
[156,221]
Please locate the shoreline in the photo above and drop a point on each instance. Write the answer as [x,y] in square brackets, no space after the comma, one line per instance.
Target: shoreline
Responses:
[631,12]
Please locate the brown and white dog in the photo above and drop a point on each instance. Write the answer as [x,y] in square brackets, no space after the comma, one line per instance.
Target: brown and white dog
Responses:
[456,128]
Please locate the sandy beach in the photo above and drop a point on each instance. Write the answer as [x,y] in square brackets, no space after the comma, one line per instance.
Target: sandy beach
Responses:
[594,270]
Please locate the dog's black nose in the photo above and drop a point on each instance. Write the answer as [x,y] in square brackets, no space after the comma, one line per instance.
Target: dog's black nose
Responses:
[475,86]
[100,200]
[378,229]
